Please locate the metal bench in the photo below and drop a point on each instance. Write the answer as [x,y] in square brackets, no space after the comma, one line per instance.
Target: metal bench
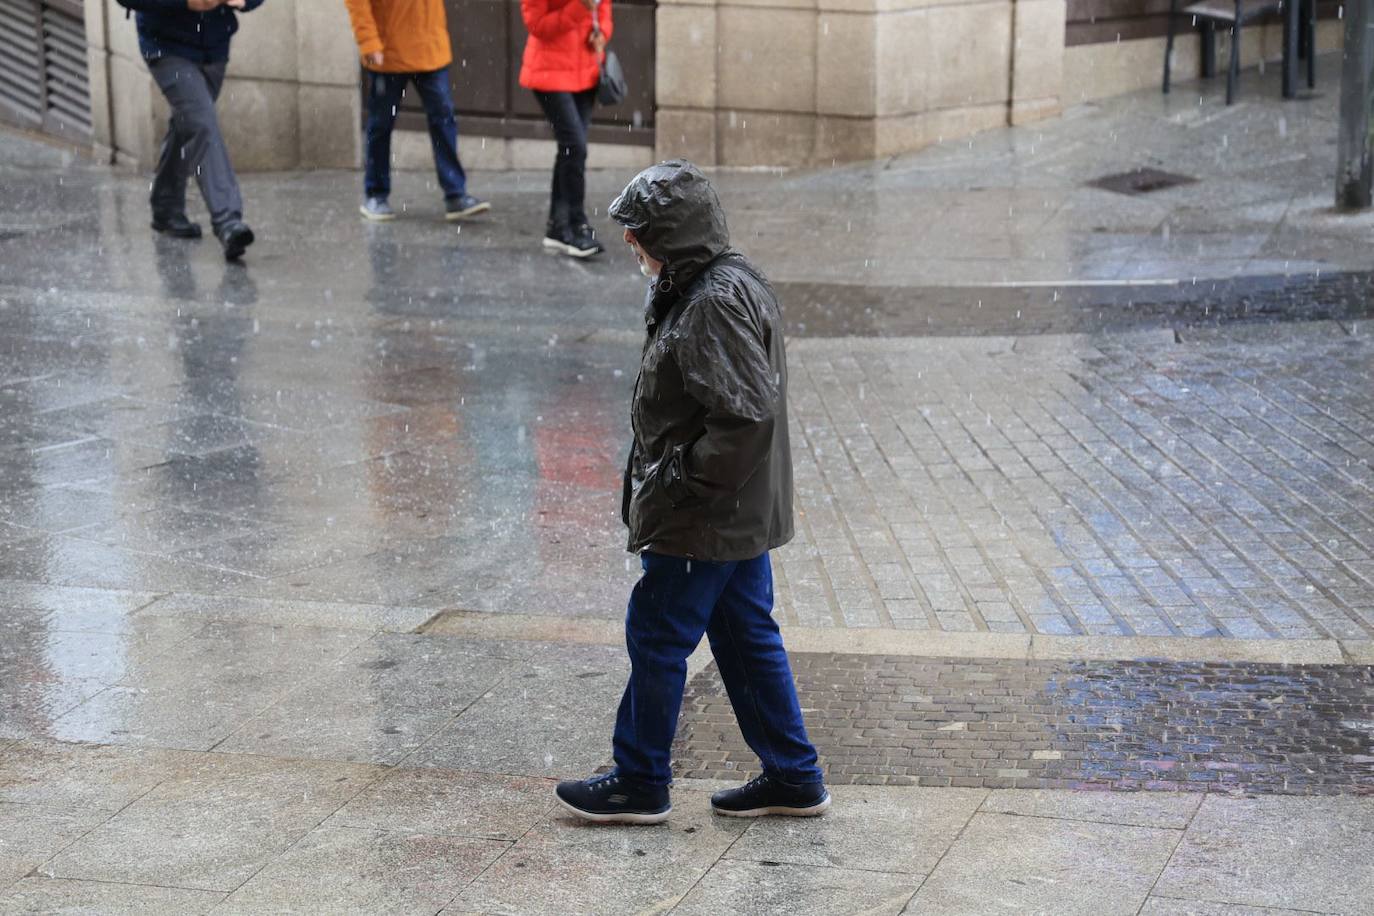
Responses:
[1233,15]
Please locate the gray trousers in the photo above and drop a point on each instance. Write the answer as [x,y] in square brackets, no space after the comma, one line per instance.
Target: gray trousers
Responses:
[194,145]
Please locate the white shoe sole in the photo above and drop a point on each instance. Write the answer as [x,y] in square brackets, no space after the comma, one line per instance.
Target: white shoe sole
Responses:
[658,818]
[570,250]
[814,811]
[376,217]
[483,207]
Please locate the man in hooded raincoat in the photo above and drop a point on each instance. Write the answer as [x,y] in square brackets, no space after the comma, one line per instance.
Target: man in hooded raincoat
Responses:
[707,493]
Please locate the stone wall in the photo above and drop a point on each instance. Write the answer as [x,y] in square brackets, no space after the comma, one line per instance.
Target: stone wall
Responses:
[797,82]
[291,98]
[740,82]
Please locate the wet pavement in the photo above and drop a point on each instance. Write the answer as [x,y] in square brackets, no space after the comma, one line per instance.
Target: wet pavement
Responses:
[319,554]
[1232,727]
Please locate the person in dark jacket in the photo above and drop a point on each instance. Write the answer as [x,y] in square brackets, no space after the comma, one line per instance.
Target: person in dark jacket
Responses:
[707,493]
[186,46]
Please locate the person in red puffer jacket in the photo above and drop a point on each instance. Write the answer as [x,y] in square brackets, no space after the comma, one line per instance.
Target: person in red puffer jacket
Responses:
[562,65]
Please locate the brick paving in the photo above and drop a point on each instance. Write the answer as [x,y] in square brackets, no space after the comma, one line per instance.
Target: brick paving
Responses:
[1131,485]
[1141,725]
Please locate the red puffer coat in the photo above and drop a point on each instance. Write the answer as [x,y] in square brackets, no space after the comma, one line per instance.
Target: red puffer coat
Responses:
[557,56]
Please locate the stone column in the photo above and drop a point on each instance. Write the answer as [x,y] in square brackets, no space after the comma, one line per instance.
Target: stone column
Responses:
[1037,60]
[810,82]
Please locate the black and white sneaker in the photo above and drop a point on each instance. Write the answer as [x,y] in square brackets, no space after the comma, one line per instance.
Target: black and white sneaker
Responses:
[769,795]
[579,242]
[614,799]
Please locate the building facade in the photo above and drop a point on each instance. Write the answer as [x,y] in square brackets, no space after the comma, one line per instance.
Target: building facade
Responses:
[723,82]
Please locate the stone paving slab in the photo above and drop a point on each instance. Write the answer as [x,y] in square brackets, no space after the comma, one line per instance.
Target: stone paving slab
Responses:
[37,896]
[280,834]
[755,888]
[560,866]
[213,826]
[1005,864]
[919,825]
[350,869]
[450,802]
[1172,726]
[1236,851]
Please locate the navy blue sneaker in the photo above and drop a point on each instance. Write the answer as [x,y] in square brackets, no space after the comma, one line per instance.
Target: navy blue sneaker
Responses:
[614,799]
[769,795]
[463,206]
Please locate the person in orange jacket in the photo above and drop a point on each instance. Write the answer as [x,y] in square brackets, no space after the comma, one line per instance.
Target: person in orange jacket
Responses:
[404,41]
[562,65]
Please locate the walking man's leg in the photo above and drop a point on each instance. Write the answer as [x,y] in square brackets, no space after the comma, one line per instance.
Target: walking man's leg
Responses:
[384,92]
[191,90]
[443,140]
[668,613]
[569,114]
[749,653]
[168,196]
[215,175]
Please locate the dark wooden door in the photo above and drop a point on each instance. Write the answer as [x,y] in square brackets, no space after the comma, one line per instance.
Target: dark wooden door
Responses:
[488,42]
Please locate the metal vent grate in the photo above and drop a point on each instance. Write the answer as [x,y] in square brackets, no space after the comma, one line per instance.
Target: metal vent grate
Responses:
[44,79]
[1141,181]
[64,73]
[21,62]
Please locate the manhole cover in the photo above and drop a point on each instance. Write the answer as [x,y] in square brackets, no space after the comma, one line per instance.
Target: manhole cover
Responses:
[1141,181]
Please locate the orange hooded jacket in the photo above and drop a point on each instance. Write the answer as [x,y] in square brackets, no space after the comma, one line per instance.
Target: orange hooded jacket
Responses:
[411,34]
[557,56]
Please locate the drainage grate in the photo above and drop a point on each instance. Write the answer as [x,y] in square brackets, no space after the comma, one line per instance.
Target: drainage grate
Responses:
[1141,181]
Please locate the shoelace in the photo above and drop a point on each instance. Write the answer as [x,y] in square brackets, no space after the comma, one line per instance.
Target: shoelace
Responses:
[760,781]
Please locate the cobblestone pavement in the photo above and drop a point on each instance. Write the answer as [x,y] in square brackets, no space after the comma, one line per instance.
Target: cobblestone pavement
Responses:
[1218,485]
[1217,727]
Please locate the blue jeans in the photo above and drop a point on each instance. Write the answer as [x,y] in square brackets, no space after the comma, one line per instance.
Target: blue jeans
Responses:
[383,101]
[673,604]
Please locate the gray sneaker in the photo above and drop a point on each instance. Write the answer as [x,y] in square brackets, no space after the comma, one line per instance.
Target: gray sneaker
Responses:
[463,206]
[377,210]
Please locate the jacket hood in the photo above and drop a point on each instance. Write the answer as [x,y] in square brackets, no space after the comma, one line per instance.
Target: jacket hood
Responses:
[676,216]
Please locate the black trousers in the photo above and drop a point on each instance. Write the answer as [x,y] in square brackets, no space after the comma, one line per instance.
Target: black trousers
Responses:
[193,145]
[569,113]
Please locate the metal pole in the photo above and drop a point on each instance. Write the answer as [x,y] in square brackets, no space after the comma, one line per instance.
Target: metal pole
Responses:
[1355,165]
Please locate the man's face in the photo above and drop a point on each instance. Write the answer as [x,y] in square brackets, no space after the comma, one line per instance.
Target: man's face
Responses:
[647,265]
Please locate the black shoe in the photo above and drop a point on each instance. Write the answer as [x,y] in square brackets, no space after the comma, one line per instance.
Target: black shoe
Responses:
[579,242]
[614,799]
[769,795]
[463,206]
[235,236]
[178,226]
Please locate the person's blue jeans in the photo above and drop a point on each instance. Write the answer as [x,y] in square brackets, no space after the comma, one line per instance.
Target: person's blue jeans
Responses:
[384,93]
[673,604]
